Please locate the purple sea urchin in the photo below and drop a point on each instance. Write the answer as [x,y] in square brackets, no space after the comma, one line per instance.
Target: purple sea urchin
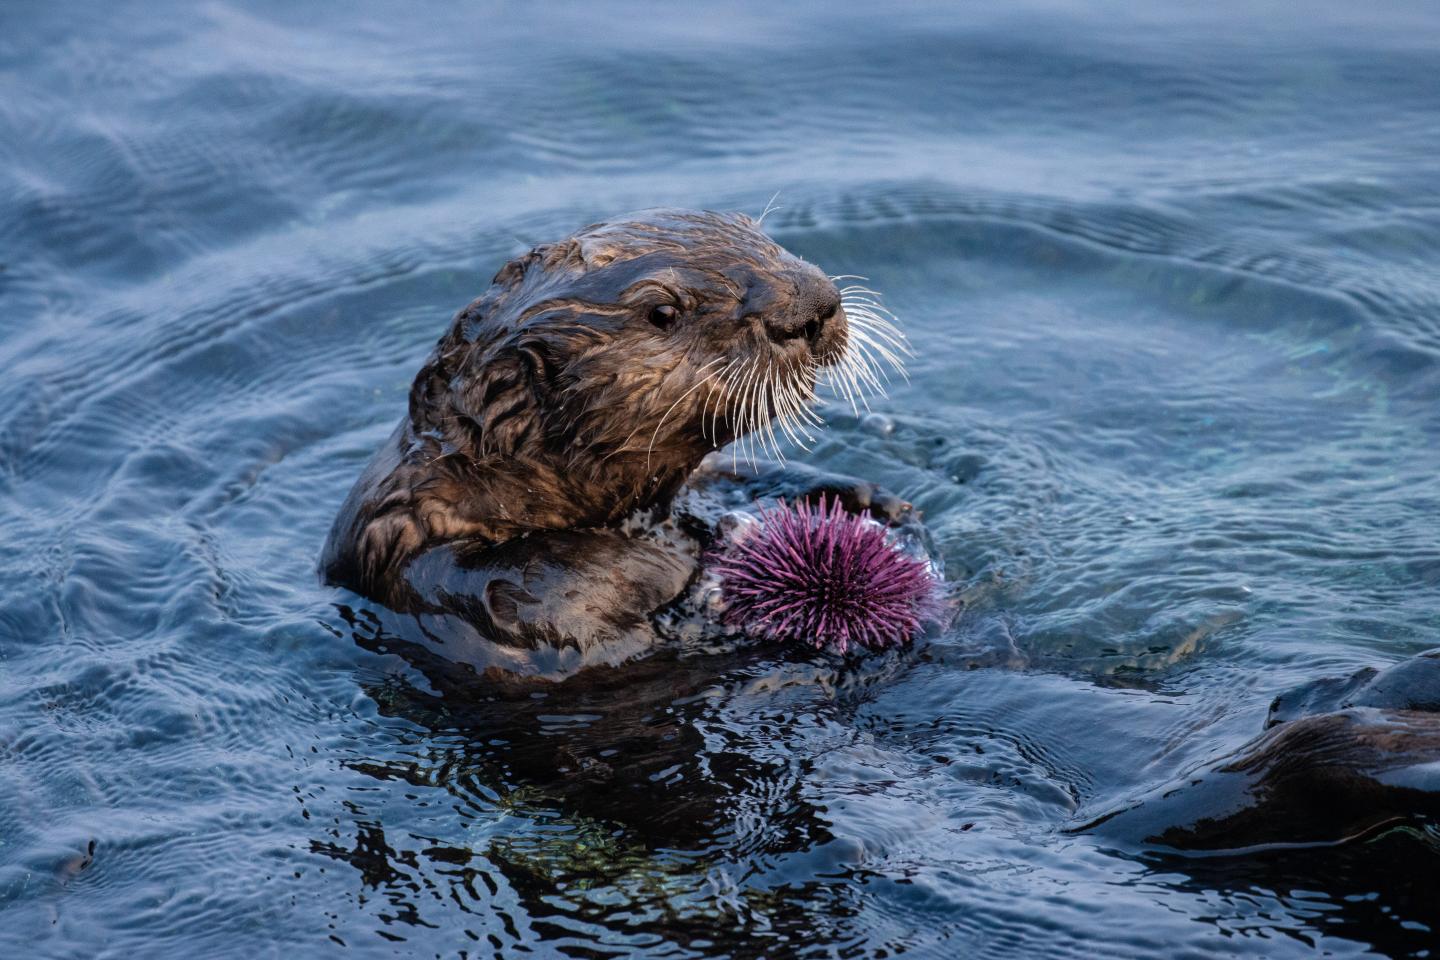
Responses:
[822,576]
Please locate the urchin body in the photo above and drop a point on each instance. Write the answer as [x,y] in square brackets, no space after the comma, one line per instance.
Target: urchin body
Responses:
[583,387]
[816,574]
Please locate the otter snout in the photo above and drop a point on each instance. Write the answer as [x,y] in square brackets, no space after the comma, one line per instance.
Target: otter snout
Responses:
[814,316]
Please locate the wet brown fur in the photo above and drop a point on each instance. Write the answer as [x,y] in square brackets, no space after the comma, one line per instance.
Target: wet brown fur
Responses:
[555,401]
[1365,759]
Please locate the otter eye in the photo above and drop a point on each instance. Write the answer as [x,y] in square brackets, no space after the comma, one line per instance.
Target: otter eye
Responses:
[663,315]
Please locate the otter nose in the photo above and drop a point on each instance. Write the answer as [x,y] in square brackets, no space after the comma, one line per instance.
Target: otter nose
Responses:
[809,313]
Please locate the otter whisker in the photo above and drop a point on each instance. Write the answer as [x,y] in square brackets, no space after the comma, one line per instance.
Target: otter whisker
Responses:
[775,419]
[855,290]
[875,315]
[877,324]
[865,376]
[697,385]
[808,396]
[878,312]
[866,297]
[862,295]
[874,346]
[724,408]
[759,419]
[727,387]
[770,206]
[763,415]
[783,416]
[866,344]
[780,408]
[742,413]
[847,383]
[768,402]
[720,384]
[860,366]
[794,401]
[867,341]
[791,395]
[873,318]
[765,418]
[842,381]
[812,400]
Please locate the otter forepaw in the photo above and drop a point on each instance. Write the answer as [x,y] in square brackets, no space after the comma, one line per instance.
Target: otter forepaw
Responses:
[862,496]
[795,484]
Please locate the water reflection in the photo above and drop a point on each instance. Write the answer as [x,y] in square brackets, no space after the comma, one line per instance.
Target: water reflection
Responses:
[632,799]
[1376,890]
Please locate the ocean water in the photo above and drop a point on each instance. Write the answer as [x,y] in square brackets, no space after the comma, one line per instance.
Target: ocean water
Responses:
[1172,277]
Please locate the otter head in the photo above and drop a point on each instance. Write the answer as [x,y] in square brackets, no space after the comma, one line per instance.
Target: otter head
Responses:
[599,370]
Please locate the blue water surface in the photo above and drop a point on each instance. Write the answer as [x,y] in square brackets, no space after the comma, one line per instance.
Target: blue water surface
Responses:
[1172,276]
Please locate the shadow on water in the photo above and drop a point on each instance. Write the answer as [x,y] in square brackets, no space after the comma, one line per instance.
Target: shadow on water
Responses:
[631,805]
[1373,890]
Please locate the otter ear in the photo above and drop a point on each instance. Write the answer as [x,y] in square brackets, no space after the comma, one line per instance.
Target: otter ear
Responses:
[512,272]
[597,251]
[549,255]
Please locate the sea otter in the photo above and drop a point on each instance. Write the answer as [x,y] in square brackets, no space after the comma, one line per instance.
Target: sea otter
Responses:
[1340,759]
[582,390]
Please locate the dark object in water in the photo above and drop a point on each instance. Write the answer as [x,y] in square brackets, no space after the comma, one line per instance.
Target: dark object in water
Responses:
[818,575]
[1412,684]
[1340,758]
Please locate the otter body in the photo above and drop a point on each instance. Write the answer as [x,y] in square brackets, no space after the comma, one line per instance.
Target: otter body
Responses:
[584,387]
[1339,759]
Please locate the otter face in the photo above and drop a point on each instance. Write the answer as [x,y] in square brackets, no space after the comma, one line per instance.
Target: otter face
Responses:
[658,337]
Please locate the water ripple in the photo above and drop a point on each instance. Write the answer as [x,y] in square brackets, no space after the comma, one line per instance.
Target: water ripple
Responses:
[1172,426]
